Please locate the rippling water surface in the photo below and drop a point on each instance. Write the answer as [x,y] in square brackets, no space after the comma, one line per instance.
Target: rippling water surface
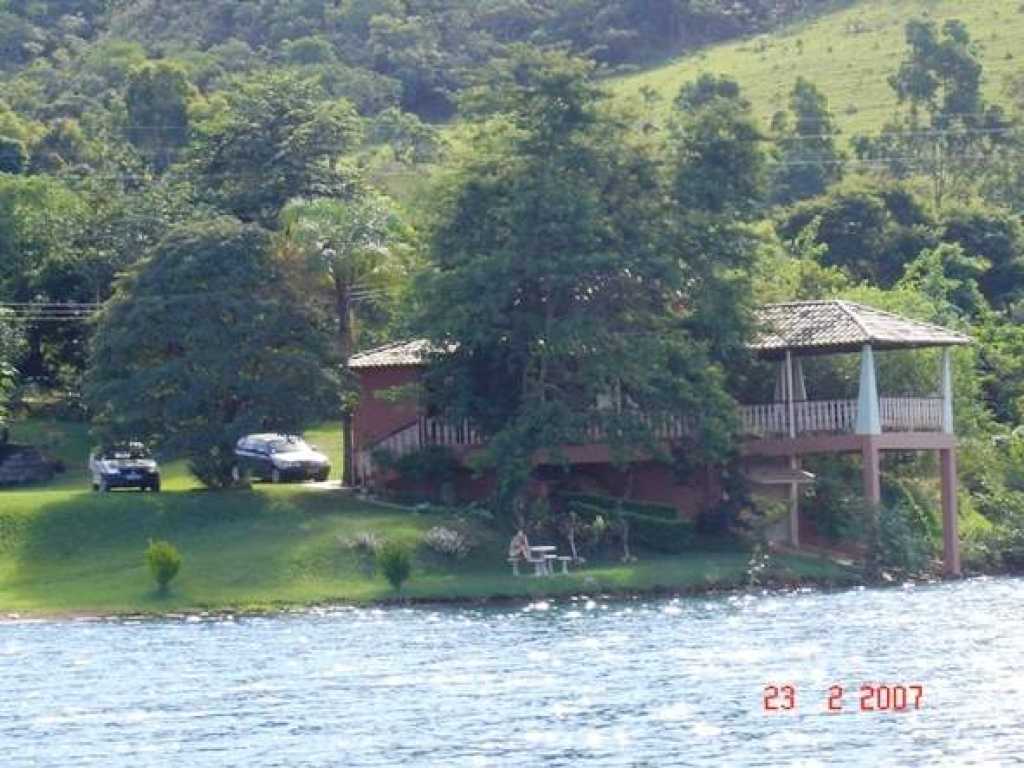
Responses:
[582,682]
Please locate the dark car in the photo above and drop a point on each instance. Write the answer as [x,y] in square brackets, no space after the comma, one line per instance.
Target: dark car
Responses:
[128,465]
[279,458]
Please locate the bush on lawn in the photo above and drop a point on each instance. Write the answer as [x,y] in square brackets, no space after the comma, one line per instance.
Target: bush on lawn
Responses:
[394,562]
[164,562]
[448,542]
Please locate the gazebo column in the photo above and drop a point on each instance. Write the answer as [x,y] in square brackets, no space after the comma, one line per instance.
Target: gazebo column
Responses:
[950,529]
[947,469]
[869,427]
[794,462]
[869,421]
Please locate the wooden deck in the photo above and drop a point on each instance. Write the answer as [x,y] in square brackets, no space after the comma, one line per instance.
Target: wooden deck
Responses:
[767,422]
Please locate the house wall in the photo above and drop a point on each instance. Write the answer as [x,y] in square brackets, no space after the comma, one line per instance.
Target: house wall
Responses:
[375,418]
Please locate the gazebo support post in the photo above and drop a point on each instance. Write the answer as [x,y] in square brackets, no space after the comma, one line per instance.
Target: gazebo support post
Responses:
[950,531]
[947,392]
[794,463]
[871,475]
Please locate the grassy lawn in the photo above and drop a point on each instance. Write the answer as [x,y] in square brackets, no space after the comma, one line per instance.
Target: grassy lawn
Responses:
[848,54]
[64,548]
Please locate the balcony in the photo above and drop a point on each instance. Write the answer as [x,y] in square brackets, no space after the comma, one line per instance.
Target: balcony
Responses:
[839,417]
[767,421]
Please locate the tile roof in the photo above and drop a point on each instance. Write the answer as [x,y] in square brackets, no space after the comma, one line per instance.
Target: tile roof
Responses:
[809,326]
[843,326]
[403,353]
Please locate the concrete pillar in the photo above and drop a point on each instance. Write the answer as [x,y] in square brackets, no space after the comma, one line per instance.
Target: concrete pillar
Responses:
[873,502]
[794,507]
[869,421]
[950,532]
[947,392]
[799,383]
[791,411]
[871,472]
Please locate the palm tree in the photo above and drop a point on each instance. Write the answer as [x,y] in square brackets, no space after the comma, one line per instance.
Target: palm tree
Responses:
[351,253]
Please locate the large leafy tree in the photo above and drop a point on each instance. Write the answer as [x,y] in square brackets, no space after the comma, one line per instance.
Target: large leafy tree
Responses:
[203,342]
[157,106]
[277,139]
[718,163]
[717,187]
[871,230]
[11,348]
[808,160]
[556,283]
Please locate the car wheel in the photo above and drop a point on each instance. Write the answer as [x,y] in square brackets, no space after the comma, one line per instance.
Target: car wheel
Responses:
[275,476]
[322,477]
[95,487]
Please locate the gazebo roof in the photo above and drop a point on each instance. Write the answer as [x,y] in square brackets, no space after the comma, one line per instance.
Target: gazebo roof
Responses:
[398,355]
[814,327]
[819,327]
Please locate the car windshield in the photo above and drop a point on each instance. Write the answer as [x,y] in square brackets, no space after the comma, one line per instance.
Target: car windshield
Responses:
[285,444]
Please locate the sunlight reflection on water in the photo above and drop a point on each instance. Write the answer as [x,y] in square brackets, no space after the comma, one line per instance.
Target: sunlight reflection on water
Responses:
[590,681]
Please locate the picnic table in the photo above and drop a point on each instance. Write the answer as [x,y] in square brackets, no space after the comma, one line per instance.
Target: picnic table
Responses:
[541,557]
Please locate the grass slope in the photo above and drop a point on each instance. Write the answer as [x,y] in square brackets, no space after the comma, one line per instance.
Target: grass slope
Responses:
[66,549]
[848,54]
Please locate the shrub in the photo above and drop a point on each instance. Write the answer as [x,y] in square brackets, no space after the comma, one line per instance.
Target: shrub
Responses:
[365,543]
[448,542]
[671,536]
[903,544]
[435,464]
[164,562]
[213,467]
[395,563]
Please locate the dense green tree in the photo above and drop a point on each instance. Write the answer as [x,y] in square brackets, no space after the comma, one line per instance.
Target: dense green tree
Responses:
[12,345]
[157,105]
[63,147]
[996,235]
[808,160]
[557,284]
[872,231]
[719,164]
[277,139]
[203,342]
[717,181]
[13,157]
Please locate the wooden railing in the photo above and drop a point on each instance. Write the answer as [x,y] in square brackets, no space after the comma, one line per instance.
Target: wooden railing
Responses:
[839,417]
[911,414]
[761,421]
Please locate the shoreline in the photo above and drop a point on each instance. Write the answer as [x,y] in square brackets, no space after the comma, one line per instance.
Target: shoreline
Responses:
[498,600]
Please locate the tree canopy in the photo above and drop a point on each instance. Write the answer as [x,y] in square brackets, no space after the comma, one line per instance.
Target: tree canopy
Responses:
[202,343]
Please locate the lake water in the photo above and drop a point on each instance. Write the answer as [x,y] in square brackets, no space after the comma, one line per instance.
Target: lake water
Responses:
[582,682]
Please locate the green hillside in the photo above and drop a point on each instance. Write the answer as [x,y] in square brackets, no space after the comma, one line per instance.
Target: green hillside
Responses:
[848,54]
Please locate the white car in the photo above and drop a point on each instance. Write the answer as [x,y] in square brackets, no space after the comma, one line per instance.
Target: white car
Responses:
[129,465]
[279,458]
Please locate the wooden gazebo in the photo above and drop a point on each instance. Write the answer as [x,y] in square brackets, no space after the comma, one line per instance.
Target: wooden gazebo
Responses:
[794,425]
